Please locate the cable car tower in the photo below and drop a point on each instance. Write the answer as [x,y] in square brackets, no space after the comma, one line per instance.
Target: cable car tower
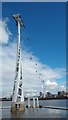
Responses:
[18,97]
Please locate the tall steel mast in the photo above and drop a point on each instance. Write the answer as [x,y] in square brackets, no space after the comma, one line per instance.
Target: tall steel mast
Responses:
[18,96]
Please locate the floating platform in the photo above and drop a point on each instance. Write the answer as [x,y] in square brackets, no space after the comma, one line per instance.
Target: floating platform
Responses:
[50,107]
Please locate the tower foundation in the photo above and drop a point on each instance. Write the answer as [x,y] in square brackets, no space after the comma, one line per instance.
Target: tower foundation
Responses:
[17,107]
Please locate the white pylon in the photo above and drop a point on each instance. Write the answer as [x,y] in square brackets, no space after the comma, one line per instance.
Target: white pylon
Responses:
[18,97]
[37,103]
[28,102]
[34,103]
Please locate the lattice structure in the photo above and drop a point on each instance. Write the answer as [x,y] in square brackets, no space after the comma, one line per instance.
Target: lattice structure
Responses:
[18,97]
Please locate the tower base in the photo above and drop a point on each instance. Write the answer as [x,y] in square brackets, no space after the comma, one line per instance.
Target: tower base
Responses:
[17,107]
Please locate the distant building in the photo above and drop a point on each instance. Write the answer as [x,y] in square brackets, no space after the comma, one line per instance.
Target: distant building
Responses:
[61,93]
[41,94]
[54,95]
[67,94]
[49,94]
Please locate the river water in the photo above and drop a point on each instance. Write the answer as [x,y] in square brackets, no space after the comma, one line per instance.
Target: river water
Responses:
[37,112]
